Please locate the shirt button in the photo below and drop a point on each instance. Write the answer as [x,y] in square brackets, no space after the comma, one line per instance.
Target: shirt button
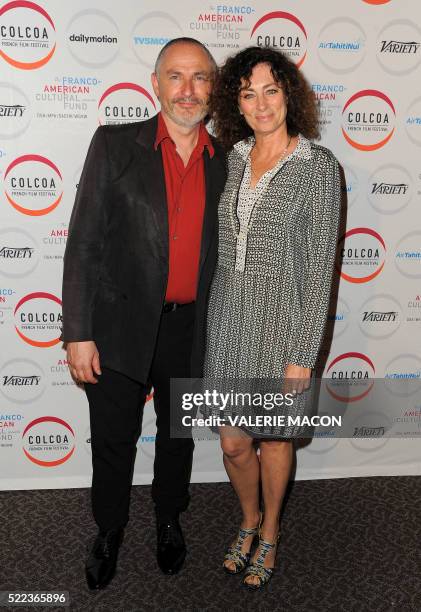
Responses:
[175,237]
[178,209]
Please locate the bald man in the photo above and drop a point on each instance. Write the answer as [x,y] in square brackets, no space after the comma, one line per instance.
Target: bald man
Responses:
[138,264]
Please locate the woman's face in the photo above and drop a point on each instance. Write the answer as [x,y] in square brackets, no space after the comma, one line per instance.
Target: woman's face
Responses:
[263,102]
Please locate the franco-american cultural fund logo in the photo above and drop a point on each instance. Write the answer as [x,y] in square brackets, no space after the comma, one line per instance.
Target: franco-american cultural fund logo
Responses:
[350,376]
[38,319]
[282,31]
[27,35]
[33,185]
[368,120]
[48,441]
[125,103]
[361,255]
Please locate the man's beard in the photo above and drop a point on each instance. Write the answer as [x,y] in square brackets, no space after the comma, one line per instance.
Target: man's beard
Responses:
[191,117]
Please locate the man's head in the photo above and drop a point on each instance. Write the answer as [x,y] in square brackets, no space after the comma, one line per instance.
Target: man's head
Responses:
[182,81]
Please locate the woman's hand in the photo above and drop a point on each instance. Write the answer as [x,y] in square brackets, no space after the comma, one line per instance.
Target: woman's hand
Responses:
[296,379]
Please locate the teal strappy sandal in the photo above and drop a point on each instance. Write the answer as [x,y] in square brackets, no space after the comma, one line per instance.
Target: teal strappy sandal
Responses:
[236,555]
[264,574]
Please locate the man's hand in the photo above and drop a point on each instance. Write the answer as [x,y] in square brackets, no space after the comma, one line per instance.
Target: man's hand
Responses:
[296,379]
[83,359]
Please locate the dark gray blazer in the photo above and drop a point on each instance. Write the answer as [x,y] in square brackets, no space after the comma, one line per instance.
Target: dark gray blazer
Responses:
[116,259]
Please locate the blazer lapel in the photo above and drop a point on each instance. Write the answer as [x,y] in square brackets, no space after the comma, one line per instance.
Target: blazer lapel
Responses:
[214,179]
[153,178]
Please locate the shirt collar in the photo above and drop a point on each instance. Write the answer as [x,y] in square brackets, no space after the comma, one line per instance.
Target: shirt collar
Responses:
[203,140]
[302,150]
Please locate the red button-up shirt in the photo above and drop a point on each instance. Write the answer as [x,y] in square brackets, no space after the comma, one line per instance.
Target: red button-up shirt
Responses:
[186,194]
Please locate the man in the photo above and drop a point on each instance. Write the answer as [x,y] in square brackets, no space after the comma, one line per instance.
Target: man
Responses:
[138,264]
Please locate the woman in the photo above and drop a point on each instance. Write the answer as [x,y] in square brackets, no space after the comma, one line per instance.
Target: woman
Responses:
[268,303]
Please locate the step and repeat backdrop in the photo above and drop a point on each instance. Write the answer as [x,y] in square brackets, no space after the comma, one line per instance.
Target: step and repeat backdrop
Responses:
[66,67]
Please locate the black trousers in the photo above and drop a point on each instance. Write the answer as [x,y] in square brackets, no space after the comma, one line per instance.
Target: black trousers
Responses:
[116,409]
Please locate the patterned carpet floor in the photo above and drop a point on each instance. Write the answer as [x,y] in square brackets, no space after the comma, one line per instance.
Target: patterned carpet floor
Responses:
[347,545]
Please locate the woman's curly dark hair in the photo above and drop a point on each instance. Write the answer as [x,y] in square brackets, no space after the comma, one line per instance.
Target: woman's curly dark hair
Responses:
[230,126]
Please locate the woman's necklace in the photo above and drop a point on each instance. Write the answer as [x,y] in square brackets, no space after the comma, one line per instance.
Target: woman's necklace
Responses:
[284,152]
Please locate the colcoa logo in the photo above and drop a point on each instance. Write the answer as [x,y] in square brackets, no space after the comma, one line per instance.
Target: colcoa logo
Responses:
[48,441]
[351,377]
[282,31]
[26,35]
[362,251]
[38,319]
[124,103]
[33,185]
[368,119]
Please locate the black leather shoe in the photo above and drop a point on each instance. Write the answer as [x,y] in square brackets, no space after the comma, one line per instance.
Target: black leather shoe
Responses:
[102,560]
[171,549]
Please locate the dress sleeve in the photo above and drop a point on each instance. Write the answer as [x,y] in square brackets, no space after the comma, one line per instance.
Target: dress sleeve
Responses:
[325,203]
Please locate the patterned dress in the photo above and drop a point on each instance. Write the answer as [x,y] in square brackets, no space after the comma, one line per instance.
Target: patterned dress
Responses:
[269,297]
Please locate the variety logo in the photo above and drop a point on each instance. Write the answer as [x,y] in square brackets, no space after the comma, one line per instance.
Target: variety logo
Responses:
[22,381]
[27,35]
[33,185]
[403,375]
[48,441]
[282,31]
[380,316]
[369,431]
[389,189]
[413,122]
[398,47]
[38,319]
[361,255]
[408,255]
[376,2]
[351,377]
[19,254]
[150,33]
[125,103]
[15,111]
[341,45]
[368,120]
[351,186]
[93,38]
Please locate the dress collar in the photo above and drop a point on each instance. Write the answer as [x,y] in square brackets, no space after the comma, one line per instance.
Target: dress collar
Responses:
[302,150]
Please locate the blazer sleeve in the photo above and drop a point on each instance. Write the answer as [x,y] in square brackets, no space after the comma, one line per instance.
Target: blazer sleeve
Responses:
[325,206]
[85,243]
